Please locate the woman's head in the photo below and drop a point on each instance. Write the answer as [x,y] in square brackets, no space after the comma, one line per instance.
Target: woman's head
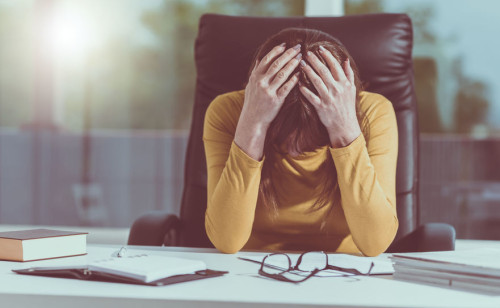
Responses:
[297,128]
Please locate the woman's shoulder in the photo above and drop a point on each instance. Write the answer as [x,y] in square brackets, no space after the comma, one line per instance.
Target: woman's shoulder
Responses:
[224,111]
[231,101]
[374,104]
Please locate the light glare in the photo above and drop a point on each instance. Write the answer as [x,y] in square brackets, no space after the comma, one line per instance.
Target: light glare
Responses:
[71,35]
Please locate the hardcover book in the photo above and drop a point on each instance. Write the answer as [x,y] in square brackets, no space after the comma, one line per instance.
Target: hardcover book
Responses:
[40,244]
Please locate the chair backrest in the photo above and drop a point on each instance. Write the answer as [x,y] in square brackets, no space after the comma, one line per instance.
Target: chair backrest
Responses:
[381,44]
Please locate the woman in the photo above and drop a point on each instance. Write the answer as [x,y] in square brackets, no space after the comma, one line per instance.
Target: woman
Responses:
[302,159]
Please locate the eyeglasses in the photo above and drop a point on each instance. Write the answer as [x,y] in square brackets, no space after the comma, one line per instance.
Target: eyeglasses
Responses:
[279,266]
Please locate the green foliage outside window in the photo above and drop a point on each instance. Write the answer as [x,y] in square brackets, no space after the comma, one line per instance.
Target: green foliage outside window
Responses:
[470,102]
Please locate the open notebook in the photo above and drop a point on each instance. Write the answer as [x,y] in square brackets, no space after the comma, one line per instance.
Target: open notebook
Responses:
[137,269]
[147,268]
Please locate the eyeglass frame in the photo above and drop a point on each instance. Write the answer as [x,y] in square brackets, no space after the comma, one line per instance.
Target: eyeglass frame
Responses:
[281,277]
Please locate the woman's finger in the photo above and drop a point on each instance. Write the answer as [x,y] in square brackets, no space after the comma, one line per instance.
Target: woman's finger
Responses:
[279,63]
[256,65]
[288,86]
[349,72]
[310,96]
[254,69]
[333,64]
[269,58]
[284,73]
[315,79]
[322,69]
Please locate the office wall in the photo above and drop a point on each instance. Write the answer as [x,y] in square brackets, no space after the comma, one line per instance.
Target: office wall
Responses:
[130,173]
[460,184]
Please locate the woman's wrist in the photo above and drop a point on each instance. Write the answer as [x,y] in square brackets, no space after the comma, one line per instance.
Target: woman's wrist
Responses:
[250,137]
[343,139]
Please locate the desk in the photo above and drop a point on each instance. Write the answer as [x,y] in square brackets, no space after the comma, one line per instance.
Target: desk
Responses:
[240,287]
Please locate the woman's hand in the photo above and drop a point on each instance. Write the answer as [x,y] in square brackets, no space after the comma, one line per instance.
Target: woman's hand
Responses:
[266,89]
[336,99]
[268,86]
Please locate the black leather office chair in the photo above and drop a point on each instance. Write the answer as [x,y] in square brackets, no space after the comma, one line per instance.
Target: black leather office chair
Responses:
[381,44]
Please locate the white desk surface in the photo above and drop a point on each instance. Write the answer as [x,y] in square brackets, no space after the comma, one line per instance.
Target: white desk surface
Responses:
[241,287]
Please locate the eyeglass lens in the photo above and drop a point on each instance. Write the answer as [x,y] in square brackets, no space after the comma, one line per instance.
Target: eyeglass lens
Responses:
[310,261]
[276,263]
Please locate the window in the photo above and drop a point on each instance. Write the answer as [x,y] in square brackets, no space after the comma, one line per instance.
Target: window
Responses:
[16,61]
[95,105]
[458,92]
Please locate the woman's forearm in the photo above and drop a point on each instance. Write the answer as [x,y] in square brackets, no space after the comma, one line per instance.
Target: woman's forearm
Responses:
[366,183]
[250,137]
[233,184]
[232,198]
[234,171]
[368,204]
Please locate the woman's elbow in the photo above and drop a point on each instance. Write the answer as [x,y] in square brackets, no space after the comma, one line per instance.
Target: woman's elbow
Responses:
[229,249]
[226,245]
[225,242]
[372,251]
[378,245]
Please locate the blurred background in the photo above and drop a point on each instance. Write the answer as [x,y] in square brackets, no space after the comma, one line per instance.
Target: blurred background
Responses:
[96,98]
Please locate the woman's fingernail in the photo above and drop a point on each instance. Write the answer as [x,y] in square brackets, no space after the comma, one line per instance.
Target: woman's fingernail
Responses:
[309,53]
[297,47]
[302,63]
[322,49]
[298,56]
[282,45]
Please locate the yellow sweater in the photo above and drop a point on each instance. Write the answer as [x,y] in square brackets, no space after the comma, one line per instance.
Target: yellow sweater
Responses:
[366,221]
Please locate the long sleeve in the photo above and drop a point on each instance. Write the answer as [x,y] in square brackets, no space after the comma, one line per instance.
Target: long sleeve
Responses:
[366,173]
[233,179]
[366,176]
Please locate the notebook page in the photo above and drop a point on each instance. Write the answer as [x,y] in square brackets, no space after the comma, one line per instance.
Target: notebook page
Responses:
[147,268]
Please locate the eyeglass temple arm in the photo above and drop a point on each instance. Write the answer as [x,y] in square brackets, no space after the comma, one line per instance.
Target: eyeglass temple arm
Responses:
[351,270]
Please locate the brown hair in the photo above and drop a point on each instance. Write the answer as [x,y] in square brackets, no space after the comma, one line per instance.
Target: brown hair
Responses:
[297,124]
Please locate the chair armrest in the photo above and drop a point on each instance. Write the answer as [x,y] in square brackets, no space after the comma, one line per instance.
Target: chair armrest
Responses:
[154,229]
[436,237]
[427,237]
